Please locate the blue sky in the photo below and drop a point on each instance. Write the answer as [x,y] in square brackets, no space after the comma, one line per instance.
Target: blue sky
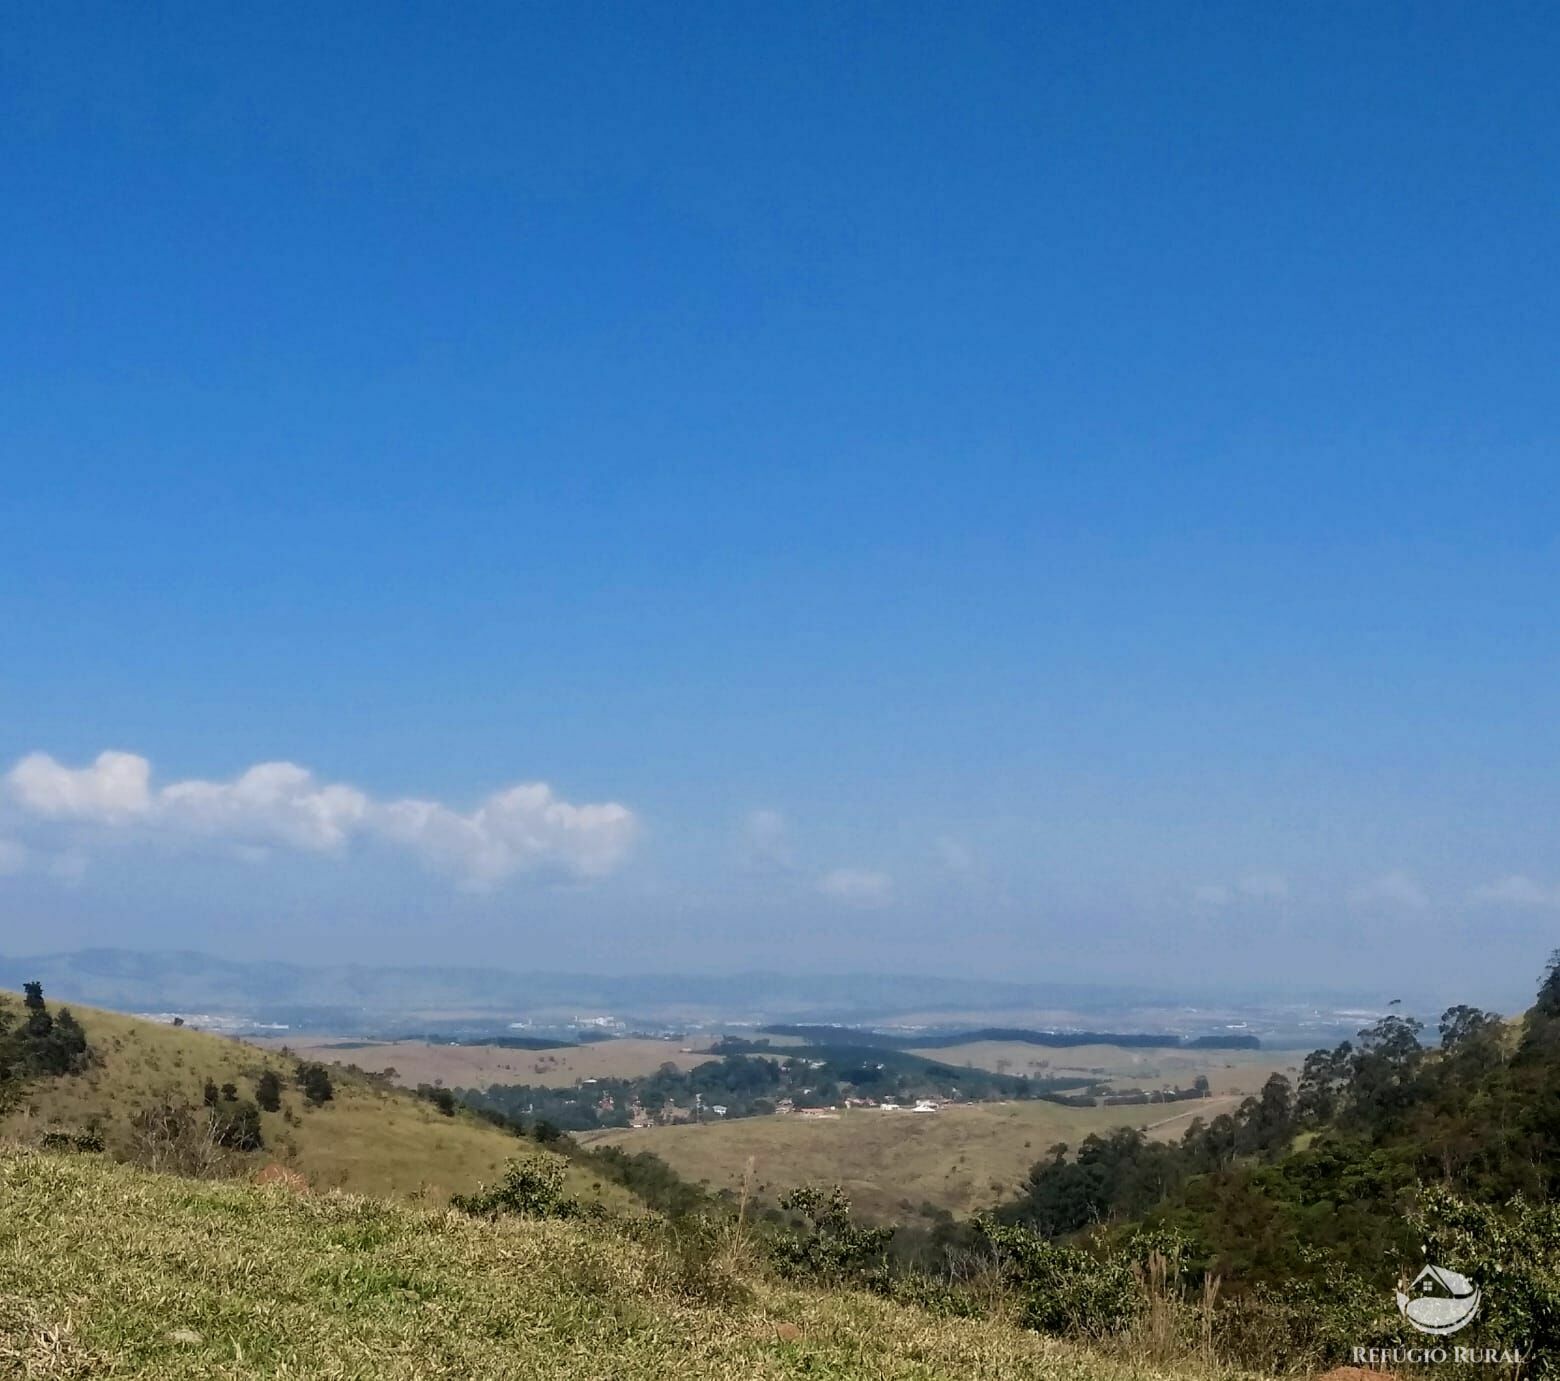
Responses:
[1016,490]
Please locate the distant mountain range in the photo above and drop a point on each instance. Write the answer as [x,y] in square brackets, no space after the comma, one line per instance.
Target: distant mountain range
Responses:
[174,979]
[458,1001]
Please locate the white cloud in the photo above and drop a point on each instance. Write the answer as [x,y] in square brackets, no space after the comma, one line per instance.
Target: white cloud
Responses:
[280,804]
[513,831]
[766,841]
[1395,889]
[1517,890]
[116,788]
[1263,887]
[857,886]
[272,802]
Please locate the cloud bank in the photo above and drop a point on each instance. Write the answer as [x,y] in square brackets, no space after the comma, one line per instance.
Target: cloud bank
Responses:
[857,886]
[1518,890]
[521,829]
[1394,889]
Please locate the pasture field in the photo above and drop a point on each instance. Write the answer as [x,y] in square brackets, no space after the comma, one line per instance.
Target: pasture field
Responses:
[962,1159]
[1228,1071]
[370,1138]
[478,1066]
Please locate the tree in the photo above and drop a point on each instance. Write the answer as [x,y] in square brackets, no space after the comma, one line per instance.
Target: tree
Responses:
[229,1093]
[314,1080]
[1324,1080]
[1461,1025]
[33,997]
[238,1126]
[63,1048]
[1548,1002]
[268,1091]
[209,1094]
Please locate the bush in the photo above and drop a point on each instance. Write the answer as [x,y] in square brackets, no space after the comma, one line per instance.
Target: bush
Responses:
[1065,1289]
[314,1080]
[532,1188]
[56,1140]
[1512,1254]
[831,1248]
[268,1091]
[238,1126]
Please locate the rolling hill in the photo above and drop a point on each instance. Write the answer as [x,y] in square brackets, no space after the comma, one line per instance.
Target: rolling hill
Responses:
[893,1165]
[371,1138]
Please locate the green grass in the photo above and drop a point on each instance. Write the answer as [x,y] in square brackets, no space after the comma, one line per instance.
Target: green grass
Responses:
[111,1271]
[371,1139]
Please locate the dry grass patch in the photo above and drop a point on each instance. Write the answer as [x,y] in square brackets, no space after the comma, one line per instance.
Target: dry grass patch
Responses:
[965,1158]
[106,1270]
[479,1066]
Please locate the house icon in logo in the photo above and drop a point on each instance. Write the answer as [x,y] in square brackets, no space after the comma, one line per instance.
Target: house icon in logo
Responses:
[1439,1301]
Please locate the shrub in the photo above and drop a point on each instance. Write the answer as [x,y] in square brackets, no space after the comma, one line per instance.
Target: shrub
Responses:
[57,1140]
[831,1247]
[1065,1289]
[314,1080]
[268,1091]
[532,1188]
[1512,1254]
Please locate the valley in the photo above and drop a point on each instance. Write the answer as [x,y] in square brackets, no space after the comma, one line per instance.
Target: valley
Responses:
[897,1167]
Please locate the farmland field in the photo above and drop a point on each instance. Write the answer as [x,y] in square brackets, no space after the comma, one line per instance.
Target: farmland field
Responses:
[1228,1071]
[962,1159]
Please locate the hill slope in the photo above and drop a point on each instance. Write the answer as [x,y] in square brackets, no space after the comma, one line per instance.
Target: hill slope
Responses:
[370,1138]
[963,1159]
[106,1269]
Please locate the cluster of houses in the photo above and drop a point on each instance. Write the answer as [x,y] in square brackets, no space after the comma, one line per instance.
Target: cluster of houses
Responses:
[640,1116]
[786,1107]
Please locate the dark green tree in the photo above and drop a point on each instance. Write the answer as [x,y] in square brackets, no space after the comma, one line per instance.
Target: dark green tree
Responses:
[238,1126]
[314,1080]
[268,1091]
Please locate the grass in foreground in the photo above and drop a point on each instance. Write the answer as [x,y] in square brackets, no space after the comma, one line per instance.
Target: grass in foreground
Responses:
[110,1271]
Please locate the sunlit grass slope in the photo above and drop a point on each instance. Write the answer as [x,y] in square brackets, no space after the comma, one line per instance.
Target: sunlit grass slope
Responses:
[111,1271]
[963,1159]
[370,1139]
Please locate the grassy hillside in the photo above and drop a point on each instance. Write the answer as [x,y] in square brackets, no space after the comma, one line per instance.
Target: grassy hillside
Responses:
[106,1270]
[477,1066]
[961,1159]
[370,1139]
